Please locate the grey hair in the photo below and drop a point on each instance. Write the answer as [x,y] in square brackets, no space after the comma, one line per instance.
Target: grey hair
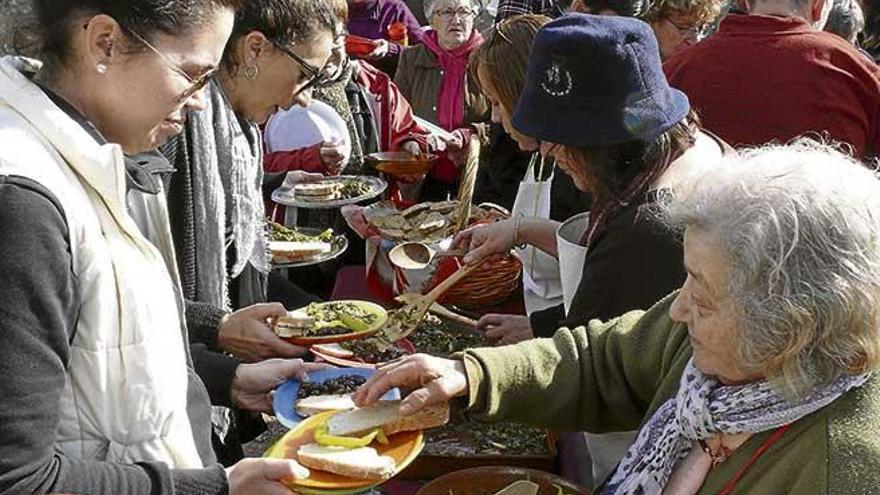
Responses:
[428,7]
[799,226]
[846,19]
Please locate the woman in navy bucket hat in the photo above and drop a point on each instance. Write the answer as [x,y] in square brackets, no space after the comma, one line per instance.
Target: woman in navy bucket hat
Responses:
[598,102]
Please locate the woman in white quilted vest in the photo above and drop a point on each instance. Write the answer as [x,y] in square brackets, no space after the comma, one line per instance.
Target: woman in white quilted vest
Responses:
[98,391]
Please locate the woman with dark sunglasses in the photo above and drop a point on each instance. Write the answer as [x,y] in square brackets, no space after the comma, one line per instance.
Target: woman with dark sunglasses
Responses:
[277,53]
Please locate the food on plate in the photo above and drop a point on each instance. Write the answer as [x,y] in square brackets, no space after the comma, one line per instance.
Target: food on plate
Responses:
[353,188]
[372,351]
[291,246]
[280,232]
[324,190]
[292,252]
[323,437]
[293,323]
[316,404]
[299,324]
[362,462]
[332,189]
[329,395]
[386,416]
[348,313]
[426,222]
[345,384]
[329,319]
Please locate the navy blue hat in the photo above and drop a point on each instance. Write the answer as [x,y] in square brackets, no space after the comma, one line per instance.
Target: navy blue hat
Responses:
[595,81]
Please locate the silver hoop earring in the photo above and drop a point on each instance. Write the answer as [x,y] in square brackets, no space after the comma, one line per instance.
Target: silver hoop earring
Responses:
[101,67]
[252,72]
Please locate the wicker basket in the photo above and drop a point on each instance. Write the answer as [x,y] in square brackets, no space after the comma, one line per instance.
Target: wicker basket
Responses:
[487,285]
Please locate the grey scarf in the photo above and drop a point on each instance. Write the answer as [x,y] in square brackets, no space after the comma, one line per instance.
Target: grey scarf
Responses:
[227,171]
[702,408]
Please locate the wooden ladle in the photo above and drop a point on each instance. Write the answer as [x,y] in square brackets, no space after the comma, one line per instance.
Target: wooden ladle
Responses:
[417,255]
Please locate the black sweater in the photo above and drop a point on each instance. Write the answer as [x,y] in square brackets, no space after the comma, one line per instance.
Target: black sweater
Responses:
[631,265]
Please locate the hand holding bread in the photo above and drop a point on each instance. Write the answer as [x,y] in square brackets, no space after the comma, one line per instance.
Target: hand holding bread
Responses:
[246,333]
[432,381]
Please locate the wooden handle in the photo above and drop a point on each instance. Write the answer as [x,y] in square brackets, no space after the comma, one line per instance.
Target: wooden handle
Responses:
[452,316]
[453,279]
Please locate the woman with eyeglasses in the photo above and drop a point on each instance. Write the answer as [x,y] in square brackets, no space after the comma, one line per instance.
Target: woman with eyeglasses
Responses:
[677,24]
[275,57]
[433,77]
[99,389]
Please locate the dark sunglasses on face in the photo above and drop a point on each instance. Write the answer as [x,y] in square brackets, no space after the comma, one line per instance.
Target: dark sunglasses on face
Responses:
[316,76]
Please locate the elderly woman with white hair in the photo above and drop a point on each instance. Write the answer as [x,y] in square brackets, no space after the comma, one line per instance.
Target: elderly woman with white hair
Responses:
[756,377]
[434,78]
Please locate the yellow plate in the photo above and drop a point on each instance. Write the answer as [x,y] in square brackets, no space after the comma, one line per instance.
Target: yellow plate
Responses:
[402,447]
[381,318]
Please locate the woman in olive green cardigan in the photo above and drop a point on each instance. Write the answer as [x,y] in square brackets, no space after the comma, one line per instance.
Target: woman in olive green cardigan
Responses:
[754,378]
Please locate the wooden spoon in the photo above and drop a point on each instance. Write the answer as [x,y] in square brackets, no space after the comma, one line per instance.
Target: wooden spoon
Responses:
[402,322]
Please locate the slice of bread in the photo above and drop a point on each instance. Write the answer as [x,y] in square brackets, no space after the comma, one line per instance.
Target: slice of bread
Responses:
[385,414]
[360,463]
[323,403]
[317,189]
[292,324]
[293,251]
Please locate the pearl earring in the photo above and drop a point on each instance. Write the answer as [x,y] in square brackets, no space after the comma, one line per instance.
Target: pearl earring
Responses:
[101,67]
[251,72]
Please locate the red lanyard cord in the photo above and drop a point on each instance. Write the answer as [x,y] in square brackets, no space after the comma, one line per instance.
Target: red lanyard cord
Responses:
[728,488]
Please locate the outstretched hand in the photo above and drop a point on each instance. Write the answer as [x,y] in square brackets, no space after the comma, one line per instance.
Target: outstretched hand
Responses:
[432,380]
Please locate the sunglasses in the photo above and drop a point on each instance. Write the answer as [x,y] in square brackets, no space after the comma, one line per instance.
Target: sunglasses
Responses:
[195,83]
[316,76]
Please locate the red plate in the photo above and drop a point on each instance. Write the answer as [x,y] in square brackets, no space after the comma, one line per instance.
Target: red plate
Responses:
[404,345]
[359,46]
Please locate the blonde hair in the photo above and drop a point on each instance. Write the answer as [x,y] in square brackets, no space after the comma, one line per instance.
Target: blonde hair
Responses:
[799,226]
[702,11]
[500,62]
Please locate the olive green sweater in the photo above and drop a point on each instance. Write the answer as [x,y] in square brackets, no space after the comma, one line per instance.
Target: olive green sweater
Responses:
[612,376]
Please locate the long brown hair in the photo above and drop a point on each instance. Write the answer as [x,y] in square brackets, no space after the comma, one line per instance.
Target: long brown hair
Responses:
[620,173]
[504,57]
[610,169]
